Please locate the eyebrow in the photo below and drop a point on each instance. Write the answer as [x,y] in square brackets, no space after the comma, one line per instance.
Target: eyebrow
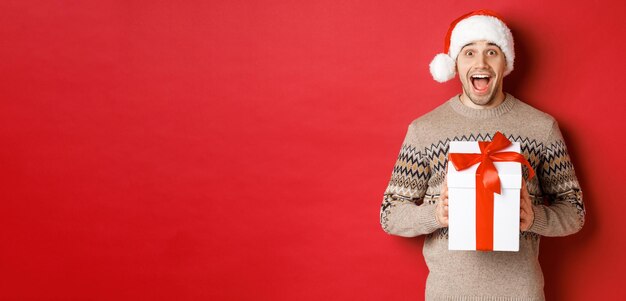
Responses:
[473,43]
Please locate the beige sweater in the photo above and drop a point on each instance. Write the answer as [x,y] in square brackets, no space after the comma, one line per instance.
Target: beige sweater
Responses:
[408,207]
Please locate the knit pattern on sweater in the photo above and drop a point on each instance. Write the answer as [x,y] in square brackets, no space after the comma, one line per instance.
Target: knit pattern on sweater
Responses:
[408,202]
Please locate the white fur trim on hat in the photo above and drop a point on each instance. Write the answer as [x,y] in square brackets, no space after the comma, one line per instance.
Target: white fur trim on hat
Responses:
[474,28]
[442,68]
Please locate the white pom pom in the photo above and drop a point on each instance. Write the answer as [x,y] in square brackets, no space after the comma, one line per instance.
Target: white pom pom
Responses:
[442,68]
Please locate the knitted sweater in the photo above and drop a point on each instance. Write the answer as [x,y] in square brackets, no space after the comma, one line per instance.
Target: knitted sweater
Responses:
[408,207]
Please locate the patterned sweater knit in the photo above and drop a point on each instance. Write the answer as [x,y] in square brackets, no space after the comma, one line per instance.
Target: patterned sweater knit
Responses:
[408,207]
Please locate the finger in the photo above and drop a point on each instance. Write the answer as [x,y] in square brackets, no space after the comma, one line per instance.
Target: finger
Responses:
[443,198]
[525,201]
[444,186]
[523,213]
[524,189]
[524,204]
[444,189]
[526,209]
[524,196]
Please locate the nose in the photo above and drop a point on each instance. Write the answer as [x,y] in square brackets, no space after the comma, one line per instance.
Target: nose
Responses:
[481,61]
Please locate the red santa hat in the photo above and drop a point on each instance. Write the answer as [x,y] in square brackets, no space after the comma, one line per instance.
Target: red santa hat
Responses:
[475,26]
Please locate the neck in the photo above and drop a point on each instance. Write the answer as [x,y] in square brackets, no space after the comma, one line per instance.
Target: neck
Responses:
[492,103]
[483,113]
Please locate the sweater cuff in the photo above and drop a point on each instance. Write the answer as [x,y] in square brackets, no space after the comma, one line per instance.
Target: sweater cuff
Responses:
[540,222]
[427,219]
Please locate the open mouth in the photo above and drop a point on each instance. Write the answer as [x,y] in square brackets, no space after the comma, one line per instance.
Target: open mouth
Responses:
[480,82]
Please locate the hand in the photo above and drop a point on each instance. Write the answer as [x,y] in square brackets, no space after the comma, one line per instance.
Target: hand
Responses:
[527,215]
[441,211]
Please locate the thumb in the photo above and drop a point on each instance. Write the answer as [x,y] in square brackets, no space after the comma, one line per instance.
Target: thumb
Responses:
[524,188]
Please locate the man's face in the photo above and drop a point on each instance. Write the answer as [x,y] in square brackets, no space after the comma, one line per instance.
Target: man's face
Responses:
[480,66]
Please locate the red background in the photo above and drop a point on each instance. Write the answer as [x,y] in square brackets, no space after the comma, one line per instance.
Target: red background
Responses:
[239,150]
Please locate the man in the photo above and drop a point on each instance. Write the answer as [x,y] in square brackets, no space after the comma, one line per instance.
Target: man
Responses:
[479,47]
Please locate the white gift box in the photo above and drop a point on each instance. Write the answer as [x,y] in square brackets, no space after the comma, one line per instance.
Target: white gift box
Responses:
[462,202]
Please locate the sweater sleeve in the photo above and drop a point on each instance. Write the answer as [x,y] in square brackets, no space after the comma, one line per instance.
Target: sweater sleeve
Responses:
[565,212]
[403,211]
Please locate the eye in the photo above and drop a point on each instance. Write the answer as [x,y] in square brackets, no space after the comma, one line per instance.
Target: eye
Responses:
[492,52]
[469,53]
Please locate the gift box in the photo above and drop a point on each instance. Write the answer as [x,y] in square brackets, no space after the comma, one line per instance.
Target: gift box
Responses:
[484,194]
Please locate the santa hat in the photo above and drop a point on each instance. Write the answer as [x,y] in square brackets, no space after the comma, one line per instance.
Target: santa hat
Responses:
[477,25]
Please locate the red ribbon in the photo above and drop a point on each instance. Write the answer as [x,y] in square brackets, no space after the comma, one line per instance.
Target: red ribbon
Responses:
[487,182]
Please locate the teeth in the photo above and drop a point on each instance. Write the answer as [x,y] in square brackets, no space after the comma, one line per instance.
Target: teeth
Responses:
[480,76]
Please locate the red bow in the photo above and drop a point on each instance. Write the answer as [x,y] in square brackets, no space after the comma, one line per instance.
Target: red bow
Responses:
[487,182]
